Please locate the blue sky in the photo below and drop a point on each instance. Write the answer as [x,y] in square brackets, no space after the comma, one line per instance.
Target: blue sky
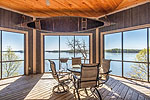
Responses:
[52,42]
[136,39]
[15,40]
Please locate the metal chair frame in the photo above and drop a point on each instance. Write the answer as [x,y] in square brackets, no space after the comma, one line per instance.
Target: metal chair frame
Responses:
[78,81]
[63,61]
[62,87]
[107,77]
[76,61]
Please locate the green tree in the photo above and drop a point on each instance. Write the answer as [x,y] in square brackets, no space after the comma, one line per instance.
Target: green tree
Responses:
[80,47]
[139,70]
[10,68]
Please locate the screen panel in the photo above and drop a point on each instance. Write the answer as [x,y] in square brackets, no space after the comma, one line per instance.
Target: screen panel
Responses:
[82,47]
[112,46]
[12,54]
[134,45]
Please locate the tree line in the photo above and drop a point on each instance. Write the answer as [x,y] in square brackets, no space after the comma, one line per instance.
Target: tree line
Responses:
[116,50]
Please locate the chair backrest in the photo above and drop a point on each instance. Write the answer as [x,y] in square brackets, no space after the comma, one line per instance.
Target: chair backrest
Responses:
[64,60]
[76,61]
[89,75]
[105,67]
[53,68]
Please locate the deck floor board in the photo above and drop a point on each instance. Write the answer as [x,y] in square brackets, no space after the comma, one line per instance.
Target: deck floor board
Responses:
[39,87]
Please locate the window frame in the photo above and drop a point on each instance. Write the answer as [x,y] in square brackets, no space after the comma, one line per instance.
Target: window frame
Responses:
[64,34]
[147,26]
[59,41]
[25,33]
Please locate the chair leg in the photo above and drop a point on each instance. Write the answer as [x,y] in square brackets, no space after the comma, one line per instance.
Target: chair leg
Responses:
[100,98]
[60,88]
[108,86]
[74,92]
[86,91]
[54,88]
[78,94]
[92,91]
[63,87]
[67,87]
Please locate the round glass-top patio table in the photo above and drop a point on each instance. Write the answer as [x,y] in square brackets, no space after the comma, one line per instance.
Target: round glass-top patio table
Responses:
[75,69]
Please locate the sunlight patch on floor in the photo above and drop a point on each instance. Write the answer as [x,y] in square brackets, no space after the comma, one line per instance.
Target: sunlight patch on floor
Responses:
[43,88]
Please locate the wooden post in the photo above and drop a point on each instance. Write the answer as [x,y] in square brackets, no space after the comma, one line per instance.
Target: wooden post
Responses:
[34,49]
[97,45]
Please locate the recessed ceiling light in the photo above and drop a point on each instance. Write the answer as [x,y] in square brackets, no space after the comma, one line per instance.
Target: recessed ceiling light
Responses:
[47,2]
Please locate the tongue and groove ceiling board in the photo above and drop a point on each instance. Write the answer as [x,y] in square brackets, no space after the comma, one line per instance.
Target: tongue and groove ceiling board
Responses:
[83,8]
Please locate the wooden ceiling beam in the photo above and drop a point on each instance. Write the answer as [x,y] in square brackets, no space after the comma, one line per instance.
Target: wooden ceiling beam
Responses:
[71,9]
[47,11]
[124,8]
[26,9]
[83,8]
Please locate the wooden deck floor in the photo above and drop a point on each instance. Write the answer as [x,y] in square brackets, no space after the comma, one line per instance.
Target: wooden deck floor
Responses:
[39,87]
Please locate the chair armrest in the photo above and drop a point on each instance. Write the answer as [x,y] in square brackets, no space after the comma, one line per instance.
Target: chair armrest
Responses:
[75,81]
[75,77]
[63,75]
[107,72]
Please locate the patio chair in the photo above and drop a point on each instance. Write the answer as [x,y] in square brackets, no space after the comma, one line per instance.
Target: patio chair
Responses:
[63,61]
[104,71]
[88,80]
[76,61]
[61,79]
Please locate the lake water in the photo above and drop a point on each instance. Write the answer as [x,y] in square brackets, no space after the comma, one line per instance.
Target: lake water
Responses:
[20,69]
[116,66]
[52,56]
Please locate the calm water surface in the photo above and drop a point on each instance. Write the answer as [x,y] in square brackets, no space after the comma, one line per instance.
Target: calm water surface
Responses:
[20,70]
[116,66]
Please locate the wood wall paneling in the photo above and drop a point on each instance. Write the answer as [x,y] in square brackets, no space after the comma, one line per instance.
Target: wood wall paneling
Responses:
[38,51]
[94,46]
[135,16]
[9,19]
[30,37]
[148,12]
[120,16]
[97,46]
[143,14]
[128,18]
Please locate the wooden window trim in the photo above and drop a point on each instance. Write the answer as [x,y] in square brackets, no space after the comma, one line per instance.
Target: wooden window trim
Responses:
[117,31]
[26,67]
[64,34]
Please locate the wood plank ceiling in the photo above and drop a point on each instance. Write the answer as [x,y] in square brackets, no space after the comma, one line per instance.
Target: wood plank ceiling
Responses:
[84,8]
